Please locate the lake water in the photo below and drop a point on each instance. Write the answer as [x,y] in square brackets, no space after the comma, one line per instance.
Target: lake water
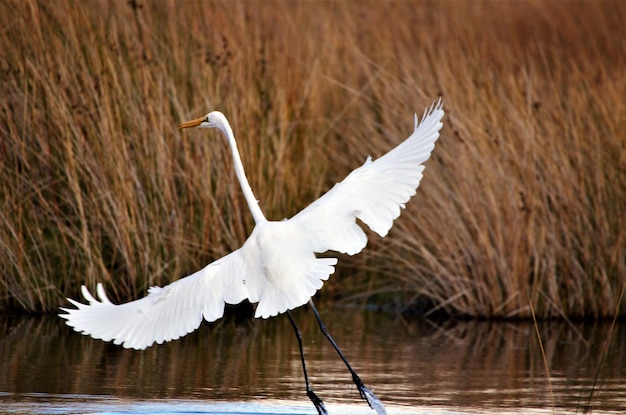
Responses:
[253,367]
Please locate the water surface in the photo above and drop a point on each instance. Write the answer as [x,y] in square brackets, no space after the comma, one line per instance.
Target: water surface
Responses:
[253,367]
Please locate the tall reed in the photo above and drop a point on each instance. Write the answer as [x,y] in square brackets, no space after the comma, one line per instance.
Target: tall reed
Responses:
[524,197]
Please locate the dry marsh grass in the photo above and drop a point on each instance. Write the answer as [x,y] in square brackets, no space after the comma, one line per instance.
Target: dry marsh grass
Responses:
[522,203]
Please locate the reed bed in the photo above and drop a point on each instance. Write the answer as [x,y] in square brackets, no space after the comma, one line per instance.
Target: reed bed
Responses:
[522,202]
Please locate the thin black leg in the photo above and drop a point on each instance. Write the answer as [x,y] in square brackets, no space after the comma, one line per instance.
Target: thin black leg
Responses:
[319,404]
[366,394]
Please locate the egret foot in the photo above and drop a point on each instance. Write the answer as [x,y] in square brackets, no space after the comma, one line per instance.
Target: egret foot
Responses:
[372,400]
[365,393]
[319,404]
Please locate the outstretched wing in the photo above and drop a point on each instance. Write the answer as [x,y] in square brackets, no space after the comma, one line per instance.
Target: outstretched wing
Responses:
[166,313]
[373,193]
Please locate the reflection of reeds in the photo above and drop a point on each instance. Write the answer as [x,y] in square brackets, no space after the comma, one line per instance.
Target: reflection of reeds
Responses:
[524,196]
[458,364]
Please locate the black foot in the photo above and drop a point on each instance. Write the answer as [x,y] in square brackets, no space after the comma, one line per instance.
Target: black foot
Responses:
[365,393]
[369,396]
[319,404]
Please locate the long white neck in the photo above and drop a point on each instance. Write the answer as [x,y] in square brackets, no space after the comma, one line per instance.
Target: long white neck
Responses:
[253,203]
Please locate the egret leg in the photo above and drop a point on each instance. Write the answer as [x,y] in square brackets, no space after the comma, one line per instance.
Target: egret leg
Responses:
[319,404]
[366,394]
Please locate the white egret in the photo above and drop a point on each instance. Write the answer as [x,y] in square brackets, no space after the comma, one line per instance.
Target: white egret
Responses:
[277,266]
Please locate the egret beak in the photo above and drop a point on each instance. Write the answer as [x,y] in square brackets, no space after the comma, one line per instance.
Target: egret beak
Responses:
[192,123]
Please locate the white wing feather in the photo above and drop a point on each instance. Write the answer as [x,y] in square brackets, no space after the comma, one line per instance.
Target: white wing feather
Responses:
[373,193]
[166,313]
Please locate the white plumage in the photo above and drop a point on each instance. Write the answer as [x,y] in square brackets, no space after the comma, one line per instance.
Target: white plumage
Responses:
[276,267]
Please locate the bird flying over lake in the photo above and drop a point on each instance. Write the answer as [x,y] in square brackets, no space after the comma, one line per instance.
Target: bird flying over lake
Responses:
[277,267]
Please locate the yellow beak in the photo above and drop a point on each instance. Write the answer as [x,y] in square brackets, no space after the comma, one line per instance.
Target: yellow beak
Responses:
[192,123]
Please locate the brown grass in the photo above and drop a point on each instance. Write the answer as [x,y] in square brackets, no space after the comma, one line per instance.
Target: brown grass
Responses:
[524,197]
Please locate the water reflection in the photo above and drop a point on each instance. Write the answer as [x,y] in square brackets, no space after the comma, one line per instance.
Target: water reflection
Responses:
[469,366]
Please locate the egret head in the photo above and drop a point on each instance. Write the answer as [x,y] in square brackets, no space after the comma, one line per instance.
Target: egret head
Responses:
[213,119]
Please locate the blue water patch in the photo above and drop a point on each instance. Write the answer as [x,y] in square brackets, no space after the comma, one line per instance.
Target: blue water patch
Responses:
[76,404]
